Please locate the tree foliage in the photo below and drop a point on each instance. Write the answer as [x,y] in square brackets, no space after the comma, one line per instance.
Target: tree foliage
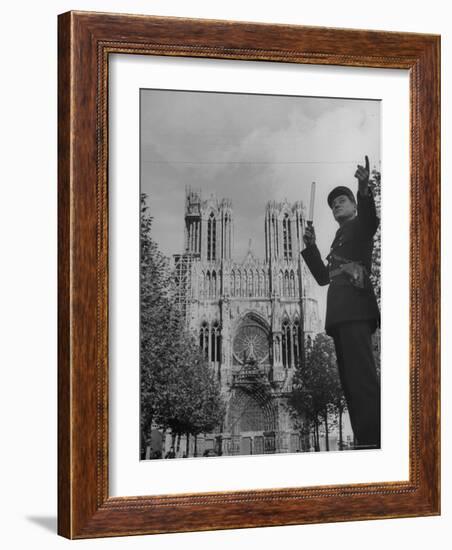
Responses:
[375,276]
[375,183]
[190,402]
[317,395]
[178,388]
[154,322]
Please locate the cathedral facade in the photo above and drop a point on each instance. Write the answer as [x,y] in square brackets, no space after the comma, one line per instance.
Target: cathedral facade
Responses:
[252,316]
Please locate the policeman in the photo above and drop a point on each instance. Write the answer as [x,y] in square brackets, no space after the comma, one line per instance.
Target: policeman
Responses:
[352,313]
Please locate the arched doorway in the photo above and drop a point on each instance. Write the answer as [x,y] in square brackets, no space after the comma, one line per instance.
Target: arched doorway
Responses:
[252,422]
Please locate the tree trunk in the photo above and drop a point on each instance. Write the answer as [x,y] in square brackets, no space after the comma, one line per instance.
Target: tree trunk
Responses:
[187,445]
[148,451]
[327,442]
[164,443]
[147,437]
[317,438]
[143,445]
[341,437]
[178,443]
[195,452]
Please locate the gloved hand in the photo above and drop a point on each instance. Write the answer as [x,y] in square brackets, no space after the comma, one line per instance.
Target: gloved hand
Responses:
[309,235]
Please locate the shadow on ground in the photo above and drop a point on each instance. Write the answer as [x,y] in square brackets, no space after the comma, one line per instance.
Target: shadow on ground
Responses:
[49,523]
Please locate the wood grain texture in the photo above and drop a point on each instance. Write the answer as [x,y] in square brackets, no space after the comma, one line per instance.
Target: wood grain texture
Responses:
[64,295]
[85,42]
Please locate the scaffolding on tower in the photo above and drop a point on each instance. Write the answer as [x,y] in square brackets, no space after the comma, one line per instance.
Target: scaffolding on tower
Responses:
[183,281]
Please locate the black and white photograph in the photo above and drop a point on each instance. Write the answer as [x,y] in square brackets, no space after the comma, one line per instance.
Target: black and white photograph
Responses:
[221,330]
[260,262]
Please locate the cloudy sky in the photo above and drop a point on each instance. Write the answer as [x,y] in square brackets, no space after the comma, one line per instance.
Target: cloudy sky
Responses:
[252,149]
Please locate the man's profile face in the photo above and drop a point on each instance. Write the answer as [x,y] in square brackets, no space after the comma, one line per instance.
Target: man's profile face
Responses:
[343,208]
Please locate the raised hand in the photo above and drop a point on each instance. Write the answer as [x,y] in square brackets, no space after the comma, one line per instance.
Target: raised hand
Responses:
[363,173]
[309,235]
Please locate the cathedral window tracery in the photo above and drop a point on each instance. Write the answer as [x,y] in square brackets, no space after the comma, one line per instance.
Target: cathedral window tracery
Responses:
[286,284]
[287,238]
[214,284]
[274,236]
[203,285]
[292,284]
[251,340]
[210,341]
[286,344]
[208,285]
[211,238]
[215,343]
[296,336]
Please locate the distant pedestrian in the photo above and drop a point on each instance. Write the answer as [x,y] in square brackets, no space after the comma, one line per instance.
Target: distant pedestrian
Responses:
[170,453]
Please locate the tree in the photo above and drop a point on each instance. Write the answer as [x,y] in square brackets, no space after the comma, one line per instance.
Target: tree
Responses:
[338,404]
[154,323]
[208,408]
[178,389]
[191,402]
[316,391]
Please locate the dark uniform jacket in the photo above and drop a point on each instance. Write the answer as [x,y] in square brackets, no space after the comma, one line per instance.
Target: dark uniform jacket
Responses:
[353,242]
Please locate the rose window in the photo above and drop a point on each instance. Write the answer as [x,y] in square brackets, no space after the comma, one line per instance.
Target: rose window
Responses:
[251,343]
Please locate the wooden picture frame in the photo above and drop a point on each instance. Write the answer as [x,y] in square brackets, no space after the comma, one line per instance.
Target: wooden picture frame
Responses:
[85,42]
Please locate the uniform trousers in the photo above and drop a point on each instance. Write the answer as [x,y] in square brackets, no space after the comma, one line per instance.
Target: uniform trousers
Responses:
[359,379]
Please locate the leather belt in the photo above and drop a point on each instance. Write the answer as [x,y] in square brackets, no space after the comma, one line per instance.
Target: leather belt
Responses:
[335,272]
[353,272]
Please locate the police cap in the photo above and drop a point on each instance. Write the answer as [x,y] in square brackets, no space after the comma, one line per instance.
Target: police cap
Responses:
[340,190]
